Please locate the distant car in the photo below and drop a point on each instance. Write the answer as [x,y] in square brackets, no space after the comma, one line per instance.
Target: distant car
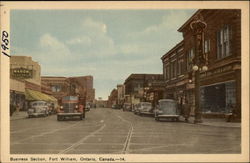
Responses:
[167,109]
[145,108]
[127,107]
[116,106]
[38,108]
[87,107]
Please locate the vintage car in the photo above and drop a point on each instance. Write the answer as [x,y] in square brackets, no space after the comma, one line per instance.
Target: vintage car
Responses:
[127,107]
[87,107]
[38,108]
[71,107]
[167,109]
[145,108]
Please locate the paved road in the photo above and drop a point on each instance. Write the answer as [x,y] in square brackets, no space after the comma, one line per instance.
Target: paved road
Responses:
[108,131]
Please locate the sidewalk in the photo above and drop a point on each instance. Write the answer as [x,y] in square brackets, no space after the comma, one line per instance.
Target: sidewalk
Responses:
[218,122]
[20,115]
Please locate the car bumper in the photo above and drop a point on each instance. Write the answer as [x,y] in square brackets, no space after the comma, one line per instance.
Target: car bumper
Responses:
[69,114]
[167,116]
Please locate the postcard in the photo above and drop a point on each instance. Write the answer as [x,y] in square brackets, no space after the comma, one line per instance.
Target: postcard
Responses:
[114,81]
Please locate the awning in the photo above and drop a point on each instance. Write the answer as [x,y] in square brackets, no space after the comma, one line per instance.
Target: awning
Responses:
[32,95]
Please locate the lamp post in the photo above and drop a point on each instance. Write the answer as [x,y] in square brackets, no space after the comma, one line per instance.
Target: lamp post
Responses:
[199,62]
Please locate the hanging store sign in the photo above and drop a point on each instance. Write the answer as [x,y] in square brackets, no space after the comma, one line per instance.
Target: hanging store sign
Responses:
[21,73]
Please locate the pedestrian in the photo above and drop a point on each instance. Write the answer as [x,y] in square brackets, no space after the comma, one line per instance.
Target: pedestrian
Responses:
[180,108]
[186,109]
[18,108]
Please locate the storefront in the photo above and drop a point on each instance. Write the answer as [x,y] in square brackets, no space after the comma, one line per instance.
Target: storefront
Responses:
[220,97]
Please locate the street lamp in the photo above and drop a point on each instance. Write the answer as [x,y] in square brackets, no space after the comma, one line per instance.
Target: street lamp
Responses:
[198,26]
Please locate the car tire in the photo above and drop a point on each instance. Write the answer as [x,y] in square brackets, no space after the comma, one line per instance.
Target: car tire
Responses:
[156,118]
[81,116]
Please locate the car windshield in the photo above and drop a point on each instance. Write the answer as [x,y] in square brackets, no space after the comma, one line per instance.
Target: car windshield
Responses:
[167,104]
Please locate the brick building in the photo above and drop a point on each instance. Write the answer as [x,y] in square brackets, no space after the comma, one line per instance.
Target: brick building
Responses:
[63,86]
[221,83]
[135,86]
[113,98]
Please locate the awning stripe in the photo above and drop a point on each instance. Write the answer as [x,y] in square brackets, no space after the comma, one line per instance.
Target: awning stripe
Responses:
[31,95]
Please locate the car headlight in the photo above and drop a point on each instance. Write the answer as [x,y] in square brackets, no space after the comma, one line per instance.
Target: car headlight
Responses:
[76,106]
[61,107]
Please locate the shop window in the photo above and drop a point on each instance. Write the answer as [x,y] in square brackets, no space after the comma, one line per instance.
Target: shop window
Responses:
[218,98]
[224,37]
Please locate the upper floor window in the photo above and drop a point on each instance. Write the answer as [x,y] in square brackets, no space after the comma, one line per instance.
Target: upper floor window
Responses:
[224,37]
[56,88]
[167,72]
[180,66]
[190,56]
[207,46]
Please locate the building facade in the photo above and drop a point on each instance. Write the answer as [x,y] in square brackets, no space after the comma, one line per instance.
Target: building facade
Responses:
[24,74]
[220,90]
[120,94]
[136,84]
[113,98]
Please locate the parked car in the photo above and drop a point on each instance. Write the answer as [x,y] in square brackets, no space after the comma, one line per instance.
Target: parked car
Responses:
[167,109]
[87,107]
[145,108]
[116,106]
[135,109]
[38,108]
[127,107]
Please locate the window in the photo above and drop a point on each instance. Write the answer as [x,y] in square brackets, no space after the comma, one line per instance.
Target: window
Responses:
[164,72]
[56,88]
[190,56]
[167,72]
[207,46]
[174,68]
[180,67]
[224,37]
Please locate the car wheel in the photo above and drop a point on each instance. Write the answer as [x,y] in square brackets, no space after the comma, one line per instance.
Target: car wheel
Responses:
[156,118]
[59,118]
[81,116]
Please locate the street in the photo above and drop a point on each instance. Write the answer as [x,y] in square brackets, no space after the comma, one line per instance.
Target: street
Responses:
[109,131]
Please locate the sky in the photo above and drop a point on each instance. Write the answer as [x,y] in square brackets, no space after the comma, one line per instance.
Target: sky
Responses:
[107,44]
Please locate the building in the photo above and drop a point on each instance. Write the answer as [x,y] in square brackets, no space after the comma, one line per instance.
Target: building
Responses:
[63,86]
[113,98]
[86,83]
[58,85]
[135,86]
[120,94]
[175,71]
[221,83]
[25,83]
[24,74]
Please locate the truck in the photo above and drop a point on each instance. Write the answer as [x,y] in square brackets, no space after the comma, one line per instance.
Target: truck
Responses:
[71,106]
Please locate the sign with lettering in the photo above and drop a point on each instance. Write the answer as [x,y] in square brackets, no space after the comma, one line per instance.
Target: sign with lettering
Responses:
[216,71]
[21,73]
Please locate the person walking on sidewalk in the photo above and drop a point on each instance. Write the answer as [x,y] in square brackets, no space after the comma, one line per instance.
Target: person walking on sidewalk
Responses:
[186,109]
